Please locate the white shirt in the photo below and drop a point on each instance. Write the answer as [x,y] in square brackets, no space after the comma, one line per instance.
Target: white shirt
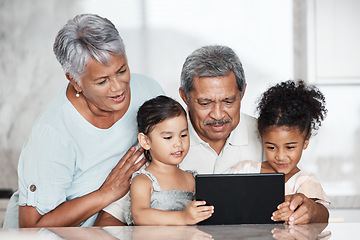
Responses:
[242,144]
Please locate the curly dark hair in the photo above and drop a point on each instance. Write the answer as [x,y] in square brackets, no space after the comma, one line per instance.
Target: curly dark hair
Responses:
[157,110]
[291,104]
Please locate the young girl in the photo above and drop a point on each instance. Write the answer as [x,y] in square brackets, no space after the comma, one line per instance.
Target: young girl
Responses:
[289,112]
[163,194]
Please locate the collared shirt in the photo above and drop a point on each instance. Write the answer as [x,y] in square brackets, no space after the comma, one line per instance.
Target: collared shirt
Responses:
[242,144]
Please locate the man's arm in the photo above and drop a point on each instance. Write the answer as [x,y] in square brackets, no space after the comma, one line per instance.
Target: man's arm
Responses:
[306,210]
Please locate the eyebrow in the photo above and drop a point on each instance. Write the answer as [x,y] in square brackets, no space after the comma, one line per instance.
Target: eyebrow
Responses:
[121,67]
[285,143]
[225,99]
[169,132]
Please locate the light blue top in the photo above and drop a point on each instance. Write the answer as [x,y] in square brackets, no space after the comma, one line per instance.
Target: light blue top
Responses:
[66,157]
[172,200]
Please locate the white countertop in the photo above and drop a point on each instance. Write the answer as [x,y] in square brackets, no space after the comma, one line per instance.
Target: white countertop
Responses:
[270,231]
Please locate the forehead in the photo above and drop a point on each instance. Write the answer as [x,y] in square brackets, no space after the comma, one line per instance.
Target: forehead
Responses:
[283,133]
[215,88]
[177,123]
[94,69]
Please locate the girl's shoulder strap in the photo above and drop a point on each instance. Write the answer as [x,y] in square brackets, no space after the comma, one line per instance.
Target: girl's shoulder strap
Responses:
[193,172]
[153,179]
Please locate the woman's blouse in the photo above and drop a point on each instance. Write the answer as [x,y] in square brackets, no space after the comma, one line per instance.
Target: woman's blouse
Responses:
[66,157]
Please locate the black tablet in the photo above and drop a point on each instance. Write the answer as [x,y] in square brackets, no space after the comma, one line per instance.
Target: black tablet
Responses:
[240,198]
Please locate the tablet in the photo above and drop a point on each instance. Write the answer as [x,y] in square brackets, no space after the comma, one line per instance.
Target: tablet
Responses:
[240,198]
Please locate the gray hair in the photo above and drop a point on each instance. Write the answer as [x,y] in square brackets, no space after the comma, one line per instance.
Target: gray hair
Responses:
[211,61]
[83,37]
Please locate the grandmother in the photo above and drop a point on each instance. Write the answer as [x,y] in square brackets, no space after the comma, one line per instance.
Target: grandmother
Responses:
[80,154]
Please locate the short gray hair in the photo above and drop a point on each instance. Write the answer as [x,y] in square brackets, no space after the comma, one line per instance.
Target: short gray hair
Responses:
[83,37]
[211,61]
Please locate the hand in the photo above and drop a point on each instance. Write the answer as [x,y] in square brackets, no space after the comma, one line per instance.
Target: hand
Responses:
[196,212]
[117,184]
[283,213]
[306,210]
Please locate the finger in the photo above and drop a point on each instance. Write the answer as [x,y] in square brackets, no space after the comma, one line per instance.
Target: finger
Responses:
[135,167]
[206,209]
[127,155]
[129,160]
[283,205]
[198,203]
[300,216]
[296,201]
[303,219]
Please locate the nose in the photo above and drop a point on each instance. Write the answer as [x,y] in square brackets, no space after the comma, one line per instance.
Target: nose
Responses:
[115,84]
[280,155]
[217,111]
[178,143]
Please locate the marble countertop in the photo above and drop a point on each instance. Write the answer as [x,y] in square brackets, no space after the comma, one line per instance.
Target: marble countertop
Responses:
[269,231]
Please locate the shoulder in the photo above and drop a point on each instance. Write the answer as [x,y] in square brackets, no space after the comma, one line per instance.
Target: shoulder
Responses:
[141,181]
[51,126]
[191,172]
[145,82]
[142,89]
[249,122]
[303,177]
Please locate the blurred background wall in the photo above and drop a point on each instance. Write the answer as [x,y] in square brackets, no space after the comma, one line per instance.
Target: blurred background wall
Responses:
[316,40]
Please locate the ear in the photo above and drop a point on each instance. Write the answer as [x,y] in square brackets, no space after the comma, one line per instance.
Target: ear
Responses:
[183,96]
[73,82]
[307,140]
[243,92]
[144,141]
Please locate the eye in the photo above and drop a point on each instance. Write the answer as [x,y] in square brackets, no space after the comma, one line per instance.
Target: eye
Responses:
[290,147]
[228,102]
[102,82]
[183,135]
[167,138]
[270,147]
[121,71]
[204,104]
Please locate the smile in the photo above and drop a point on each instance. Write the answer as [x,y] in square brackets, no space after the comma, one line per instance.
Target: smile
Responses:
[118,98]
[282,165]
[177,154]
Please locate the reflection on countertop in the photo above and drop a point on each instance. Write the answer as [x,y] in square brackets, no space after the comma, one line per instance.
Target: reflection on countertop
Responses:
[259,232]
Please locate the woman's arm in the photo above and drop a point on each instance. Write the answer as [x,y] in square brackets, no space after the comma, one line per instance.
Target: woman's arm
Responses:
[75,211]
[143,214]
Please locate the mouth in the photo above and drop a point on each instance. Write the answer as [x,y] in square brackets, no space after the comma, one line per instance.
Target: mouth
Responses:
[118,98]
[282,165]
[177,154]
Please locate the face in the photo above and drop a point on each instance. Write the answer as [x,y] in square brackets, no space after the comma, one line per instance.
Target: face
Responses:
[284,147]
[214,107]
[106,88]
[168,142]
